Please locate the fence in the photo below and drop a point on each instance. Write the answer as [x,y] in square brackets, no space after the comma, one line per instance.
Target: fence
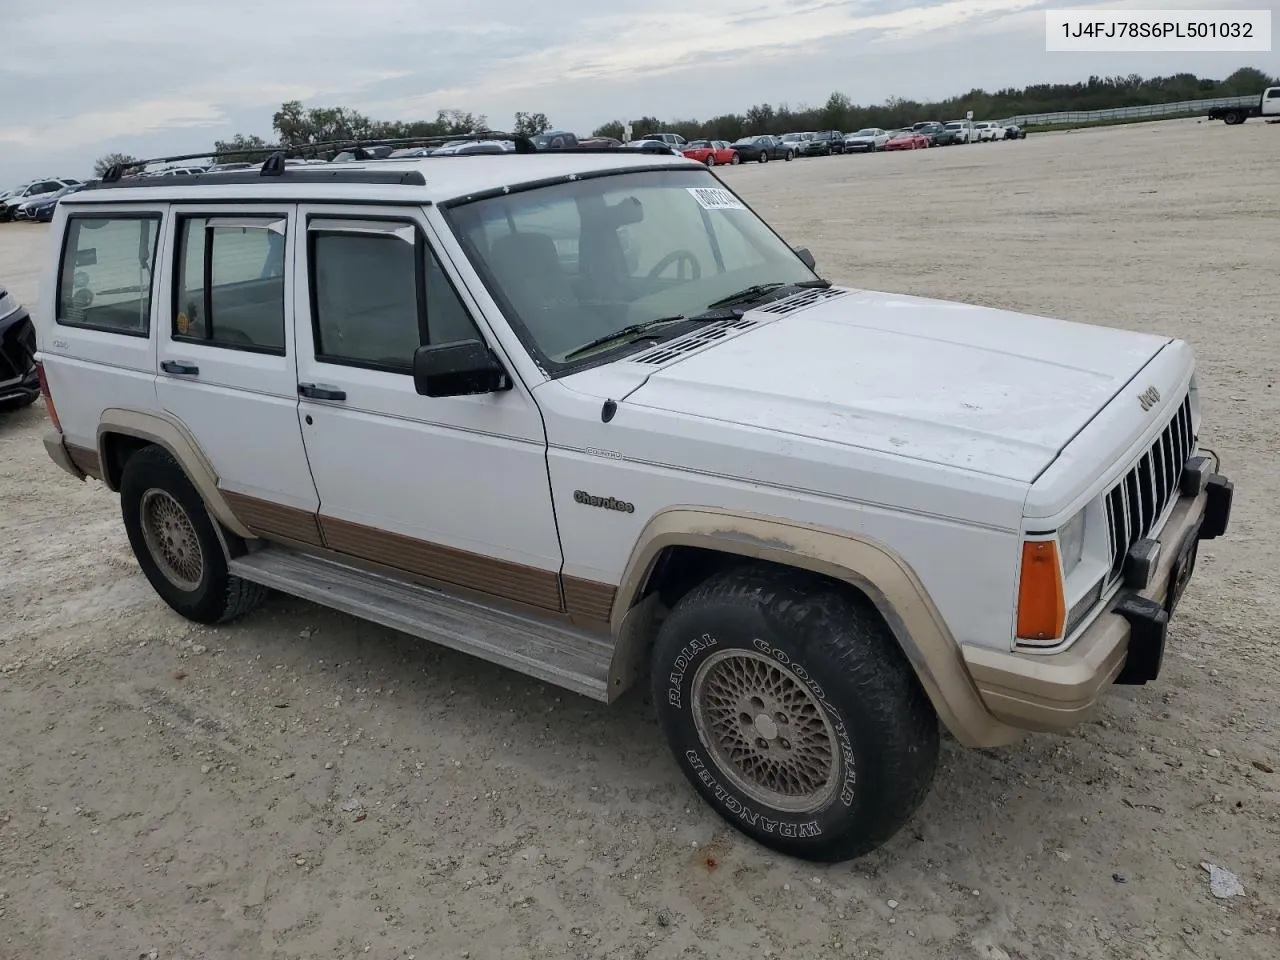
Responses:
[1152,111]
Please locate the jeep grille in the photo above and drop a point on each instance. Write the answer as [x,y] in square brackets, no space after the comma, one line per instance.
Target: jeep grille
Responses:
[1137,503]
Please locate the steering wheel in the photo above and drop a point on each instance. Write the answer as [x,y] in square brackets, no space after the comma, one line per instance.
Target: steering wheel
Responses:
[678,256]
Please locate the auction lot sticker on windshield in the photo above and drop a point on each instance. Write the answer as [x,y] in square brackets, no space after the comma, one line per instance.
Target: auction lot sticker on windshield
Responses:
[715,198]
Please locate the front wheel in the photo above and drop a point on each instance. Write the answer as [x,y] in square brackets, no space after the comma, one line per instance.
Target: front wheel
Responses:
[793,712]
[711,160]
[176,544]
[764,156]
[791,155]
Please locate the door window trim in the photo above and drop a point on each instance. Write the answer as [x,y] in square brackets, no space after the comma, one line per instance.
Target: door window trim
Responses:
[213,220]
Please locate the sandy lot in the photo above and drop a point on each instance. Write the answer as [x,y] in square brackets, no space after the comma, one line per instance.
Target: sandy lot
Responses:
[198,792]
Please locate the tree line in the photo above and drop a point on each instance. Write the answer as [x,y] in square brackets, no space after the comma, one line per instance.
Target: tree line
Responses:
[296,126]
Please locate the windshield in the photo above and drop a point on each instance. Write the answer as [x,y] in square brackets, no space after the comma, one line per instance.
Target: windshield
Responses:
[576,261]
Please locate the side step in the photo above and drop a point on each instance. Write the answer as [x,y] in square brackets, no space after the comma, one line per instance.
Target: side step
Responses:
[563,655]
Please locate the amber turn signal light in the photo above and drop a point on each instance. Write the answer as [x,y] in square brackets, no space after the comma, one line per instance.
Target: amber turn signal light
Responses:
[1042,608]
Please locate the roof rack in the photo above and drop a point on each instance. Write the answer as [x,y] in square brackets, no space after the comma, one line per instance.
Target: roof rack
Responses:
[276,154]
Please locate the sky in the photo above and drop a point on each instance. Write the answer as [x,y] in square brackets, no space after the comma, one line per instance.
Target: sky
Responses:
[80,78]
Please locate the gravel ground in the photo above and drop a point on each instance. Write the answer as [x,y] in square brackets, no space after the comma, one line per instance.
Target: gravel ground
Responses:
[301,784]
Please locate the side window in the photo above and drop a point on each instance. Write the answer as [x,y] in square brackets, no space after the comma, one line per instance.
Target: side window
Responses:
[378,293]
[230,284]
[1273,93]
[106,270]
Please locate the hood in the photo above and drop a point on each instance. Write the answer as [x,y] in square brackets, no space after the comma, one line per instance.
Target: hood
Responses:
[970,387]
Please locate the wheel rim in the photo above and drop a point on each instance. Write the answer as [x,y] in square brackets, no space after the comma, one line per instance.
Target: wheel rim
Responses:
[171,539]
[766,731]
[711,161]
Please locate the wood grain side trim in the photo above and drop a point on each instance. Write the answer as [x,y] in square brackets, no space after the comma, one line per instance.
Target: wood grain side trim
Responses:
[587,602]
[500,578]
[266,519]
[86,459]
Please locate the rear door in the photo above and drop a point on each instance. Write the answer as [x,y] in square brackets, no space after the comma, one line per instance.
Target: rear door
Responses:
[226,365]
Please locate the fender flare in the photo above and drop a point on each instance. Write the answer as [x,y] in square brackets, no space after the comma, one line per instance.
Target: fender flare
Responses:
[171,434]
[869,567]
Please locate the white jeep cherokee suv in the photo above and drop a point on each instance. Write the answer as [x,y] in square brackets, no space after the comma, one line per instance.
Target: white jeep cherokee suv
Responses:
[583,413]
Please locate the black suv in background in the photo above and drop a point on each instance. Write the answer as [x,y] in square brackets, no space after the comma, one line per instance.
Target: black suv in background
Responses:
[19,383]
[823,144]
[938,134]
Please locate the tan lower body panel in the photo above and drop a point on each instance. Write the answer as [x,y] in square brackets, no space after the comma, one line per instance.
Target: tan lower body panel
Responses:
[273,520]
[86,460]
[585,602]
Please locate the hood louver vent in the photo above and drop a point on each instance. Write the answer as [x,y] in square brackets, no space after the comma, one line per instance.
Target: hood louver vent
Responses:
[802,300]
[693,341]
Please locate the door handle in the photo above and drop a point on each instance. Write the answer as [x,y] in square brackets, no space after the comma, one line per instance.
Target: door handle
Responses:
[317,392]
[182,369]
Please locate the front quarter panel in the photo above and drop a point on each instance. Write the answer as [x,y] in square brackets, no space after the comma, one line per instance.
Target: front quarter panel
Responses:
[610,478]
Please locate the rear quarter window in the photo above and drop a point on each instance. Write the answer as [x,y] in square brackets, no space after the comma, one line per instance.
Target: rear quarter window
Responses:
[105,276]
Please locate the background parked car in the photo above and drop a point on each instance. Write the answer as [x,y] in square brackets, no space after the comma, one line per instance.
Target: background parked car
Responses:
[762,148]
[600,142]
[554,140]
[33,190]
[866,140]
[823,143]
[710,152]
[673,139]
[19,383]
[649,144]
[796,141]
[959,130]
[938,134]
[984,131]
[907,140]
[1014,132]
[41,209]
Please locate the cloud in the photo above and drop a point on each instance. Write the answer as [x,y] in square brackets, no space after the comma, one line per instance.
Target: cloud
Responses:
[152,76]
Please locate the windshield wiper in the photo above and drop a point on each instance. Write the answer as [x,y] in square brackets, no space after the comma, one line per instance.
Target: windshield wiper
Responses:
[631,333]
[750,293]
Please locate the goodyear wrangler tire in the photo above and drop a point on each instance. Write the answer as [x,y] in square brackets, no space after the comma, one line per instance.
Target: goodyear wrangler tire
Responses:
[176,544]
[792,710]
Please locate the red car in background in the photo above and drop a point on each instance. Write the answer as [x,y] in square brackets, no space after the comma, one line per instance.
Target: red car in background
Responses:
[907,140]
[710,152]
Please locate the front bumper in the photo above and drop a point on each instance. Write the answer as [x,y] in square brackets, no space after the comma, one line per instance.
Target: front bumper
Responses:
[1125,644]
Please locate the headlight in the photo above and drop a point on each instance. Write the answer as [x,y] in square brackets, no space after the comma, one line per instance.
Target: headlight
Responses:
[1071,542]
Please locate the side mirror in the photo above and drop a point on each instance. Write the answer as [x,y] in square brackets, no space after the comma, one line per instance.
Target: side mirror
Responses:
[458,369]
[806,257]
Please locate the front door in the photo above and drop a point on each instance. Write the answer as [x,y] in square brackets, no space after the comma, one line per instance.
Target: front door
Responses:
[453,490]
[226,359]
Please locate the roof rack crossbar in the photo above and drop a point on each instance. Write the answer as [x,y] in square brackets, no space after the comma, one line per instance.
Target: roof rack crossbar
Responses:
[301,150]
[276,155]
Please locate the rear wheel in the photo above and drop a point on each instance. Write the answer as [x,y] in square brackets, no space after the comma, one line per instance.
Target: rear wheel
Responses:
[764,156]
[792,711]
[791,155]
[711,159]
[175,541]
[736,158]
[1233,118]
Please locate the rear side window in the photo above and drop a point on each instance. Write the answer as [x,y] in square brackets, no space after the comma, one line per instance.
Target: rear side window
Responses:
[230,288]
[105,278]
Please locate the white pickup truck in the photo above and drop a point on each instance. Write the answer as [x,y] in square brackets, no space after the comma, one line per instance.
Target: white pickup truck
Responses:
[583,413]
[1268,106]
